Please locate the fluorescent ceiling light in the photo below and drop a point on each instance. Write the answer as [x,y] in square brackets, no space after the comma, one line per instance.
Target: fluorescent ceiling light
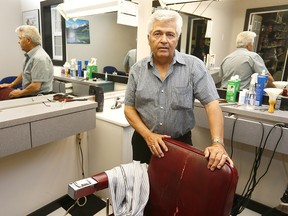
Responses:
[76,8]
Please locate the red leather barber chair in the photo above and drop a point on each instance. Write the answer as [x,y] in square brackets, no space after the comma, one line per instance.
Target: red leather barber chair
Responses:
[4,93]
[182,185]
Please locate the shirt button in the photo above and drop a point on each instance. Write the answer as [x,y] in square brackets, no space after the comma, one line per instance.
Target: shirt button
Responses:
[161,123]
[161,107]
[162,91]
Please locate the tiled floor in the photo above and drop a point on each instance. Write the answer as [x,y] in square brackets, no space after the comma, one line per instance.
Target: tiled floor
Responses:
[61,212]
[247,212]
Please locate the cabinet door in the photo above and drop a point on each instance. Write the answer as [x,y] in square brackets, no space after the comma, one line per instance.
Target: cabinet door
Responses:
[255,26]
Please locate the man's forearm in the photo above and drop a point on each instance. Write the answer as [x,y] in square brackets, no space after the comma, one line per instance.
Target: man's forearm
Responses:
[215,119]
[135,121]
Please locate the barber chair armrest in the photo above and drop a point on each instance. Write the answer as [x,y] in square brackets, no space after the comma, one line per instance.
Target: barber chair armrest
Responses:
[102,181]
[90,185]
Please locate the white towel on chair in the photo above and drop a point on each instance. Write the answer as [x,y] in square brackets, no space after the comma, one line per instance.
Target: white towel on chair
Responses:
[129,188]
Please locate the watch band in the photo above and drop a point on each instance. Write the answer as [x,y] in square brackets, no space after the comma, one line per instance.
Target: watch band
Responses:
[217,140]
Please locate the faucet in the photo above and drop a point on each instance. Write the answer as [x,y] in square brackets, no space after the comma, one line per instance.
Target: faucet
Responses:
[117,104]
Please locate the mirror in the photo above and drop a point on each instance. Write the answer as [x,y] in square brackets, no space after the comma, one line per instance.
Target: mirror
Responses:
[109,42]
[270,25]
[193,39]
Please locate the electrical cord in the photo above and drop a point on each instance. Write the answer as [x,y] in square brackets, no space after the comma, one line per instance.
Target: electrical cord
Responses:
[78,203]
[79,139]
[252,182]
[232,137]
[82,158]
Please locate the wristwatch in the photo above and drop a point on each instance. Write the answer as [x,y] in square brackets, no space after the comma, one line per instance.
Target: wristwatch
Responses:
[217,140]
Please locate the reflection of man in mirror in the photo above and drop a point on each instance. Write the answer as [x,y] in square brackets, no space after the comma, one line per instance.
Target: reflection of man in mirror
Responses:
[130,59]
[201,49]
[37,74]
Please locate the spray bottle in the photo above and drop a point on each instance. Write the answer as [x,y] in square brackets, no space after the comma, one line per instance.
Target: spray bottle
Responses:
[250,96]
[92,67]
[73,67]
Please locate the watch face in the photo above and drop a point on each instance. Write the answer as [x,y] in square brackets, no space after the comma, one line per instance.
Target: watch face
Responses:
[217,140]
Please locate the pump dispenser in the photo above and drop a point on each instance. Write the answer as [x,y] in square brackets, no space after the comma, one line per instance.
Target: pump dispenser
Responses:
[250,96]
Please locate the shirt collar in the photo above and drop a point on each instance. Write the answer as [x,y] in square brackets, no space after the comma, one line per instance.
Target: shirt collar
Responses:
[176,59]
[32,51]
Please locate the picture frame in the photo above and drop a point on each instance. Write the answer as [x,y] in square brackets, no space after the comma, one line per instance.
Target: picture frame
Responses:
[31,17]
[77,31]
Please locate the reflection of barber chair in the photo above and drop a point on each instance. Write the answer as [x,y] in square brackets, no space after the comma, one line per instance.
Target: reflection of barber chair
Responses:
[109,69]
[4,92]
[181,184]
[10,79]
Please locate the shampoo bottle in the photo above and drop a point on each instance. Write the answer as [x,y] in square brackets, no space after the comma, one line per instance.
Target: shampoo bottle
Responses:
[250,96]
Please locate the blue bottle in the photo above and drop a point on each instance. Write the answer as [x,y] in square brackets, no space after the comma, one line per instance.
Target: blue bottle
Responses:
[260,85]
[79,63]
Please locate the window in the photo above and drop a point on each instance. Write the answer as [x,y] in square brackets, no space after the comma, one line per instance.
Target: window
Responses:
[53,31]
[56,34]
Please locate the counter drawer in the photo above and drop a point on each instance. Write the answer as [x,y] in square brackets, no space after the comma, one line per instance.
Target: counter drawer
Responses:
[48,130]
[14,139]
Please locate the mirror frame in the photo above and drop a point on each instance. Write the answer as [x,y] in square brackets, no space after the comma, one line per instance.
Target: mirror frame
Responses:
[47,31]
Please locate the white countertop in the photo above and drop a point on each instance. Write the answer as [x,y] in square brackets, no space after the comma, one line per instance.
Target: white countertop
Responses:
[19,111]
[114,116]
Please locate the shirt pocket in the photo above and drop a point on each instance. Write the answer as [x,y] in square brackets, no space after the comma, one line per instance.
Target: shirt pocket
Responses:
[181,98]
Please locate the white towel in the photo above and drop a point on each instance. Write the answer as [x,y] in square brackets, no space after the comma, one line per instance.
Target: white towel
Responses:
[129,188]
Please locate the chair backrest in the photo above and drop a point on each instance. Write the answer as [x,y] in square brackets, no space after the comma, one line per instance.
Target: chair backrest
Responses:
[109,69]
[181,184]
[10,79]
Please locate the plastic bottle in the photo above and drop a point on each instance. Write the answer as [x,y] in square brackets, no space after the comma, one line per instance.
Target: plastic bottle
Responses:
[242,95]
[233,86]
[106,76]
[79,65]
[73,67]
[250,96]
[92,67]
[67,68]
[260,85]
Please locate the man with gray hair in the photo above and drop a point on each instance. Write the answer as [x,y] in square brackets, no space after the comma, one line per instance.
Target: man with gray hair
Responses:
[243,62]
[160,95]
[37,74]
